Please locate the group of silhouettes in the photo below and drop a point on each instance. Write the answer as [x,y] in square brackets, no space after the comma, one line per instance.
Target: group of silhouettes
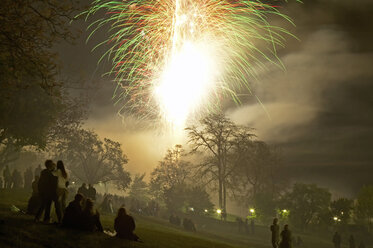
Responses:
[245,227]
[286,240]
[188,223]
[15,180]
[337,241]
[80,213]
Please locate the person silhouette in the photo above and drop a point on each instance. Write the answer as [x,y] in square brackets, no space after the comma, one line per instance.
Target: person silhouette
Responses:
[275,230]
[286,241]
[124,225]
[337,240]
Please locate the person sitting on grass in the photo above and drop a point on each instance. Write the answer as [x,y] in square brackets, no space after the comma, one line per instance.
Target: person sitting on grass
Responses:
[73,213]
[34,202]
[90,220]
[124,225]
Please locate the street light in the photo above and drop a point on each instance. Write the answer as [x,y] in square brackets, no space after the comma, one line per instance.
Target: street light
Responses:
[252,210]
[206,210]
[218,211]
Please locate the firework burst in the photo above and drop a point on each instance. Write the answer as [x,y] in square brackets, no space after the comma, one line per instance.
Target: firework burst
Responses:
[173,58]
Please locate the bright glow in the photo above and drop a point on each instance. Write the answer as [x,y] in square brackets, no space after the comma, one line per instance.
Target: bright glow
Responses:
[335,218]
[252,210]
[284,210]
[185,82]
[206,210]
[218,211]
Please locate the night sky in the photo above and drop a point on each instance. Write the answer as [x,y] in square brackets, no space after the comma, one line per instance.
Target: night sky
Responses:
[320,109]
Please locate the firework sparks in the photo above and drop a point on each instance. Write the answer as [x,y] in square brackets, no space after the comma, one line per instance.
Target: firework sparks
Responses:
[172,58]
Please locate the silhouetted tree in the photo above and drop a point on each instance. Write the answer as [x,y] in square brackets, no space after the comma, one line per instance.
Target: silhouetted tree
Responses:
[342,208]
[364,207]
[92,160]
[306,203]
[198,199]
[139,188]
[31,93]
[168,180]
[216,137]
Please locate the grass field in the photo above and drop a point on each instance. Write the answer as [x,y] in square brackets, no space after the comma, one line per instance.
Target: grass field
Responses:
[19,230]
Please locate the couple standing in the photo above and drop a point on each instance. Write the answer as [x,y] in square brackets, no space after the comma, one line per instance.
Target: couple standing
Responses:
[52,187]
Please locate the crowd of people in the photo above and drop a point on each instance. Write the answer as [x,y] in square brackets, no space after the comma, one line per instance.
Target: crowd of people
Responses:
[15,180]
[51,188]
[245,227]
[337,241]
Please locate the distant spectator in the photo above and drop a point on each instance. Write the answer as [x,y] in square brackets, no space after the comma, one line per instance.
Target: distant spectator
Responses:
[34,202]
[337,240]
[73,213]
[188,225]
[246,225]
[224,214]
[91,218]
[286,240]
[1,182]
[62,182]
[7,178]
[351,241]
[83,190]
[172,219]
[16,179]
[275,229]
[124,225]
[34,185]
[361,245]
[252,225]
[37,171]
[91,192]
[47,187]
[299,242]
[239,224]
[27,176]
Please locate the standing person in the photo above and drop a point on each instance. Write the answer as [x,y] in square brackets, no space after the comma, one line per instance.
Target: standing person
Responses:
[83,190]
[337,240]
[47,187]
[124,225]
[1,182]
[62,183]
[275,229]
[91,218]
[27,176]
[92,192]
[286,241]
[7,178]
[252,225]
[352,241]
[37,171]
[17,179]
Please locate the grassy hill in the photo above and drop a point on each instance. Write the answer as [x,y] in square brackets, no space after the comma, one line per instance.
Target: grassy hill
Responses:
[19,230]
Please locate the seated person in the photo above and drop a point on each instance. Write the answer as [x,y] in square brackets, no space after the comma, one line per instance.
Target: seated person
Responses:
[34,201]
[124,225]
[73,213]
[90,219]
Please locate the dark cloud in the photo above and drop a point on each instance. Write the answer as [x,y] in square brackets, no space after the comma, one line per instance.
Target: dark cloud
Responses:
[321,109]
